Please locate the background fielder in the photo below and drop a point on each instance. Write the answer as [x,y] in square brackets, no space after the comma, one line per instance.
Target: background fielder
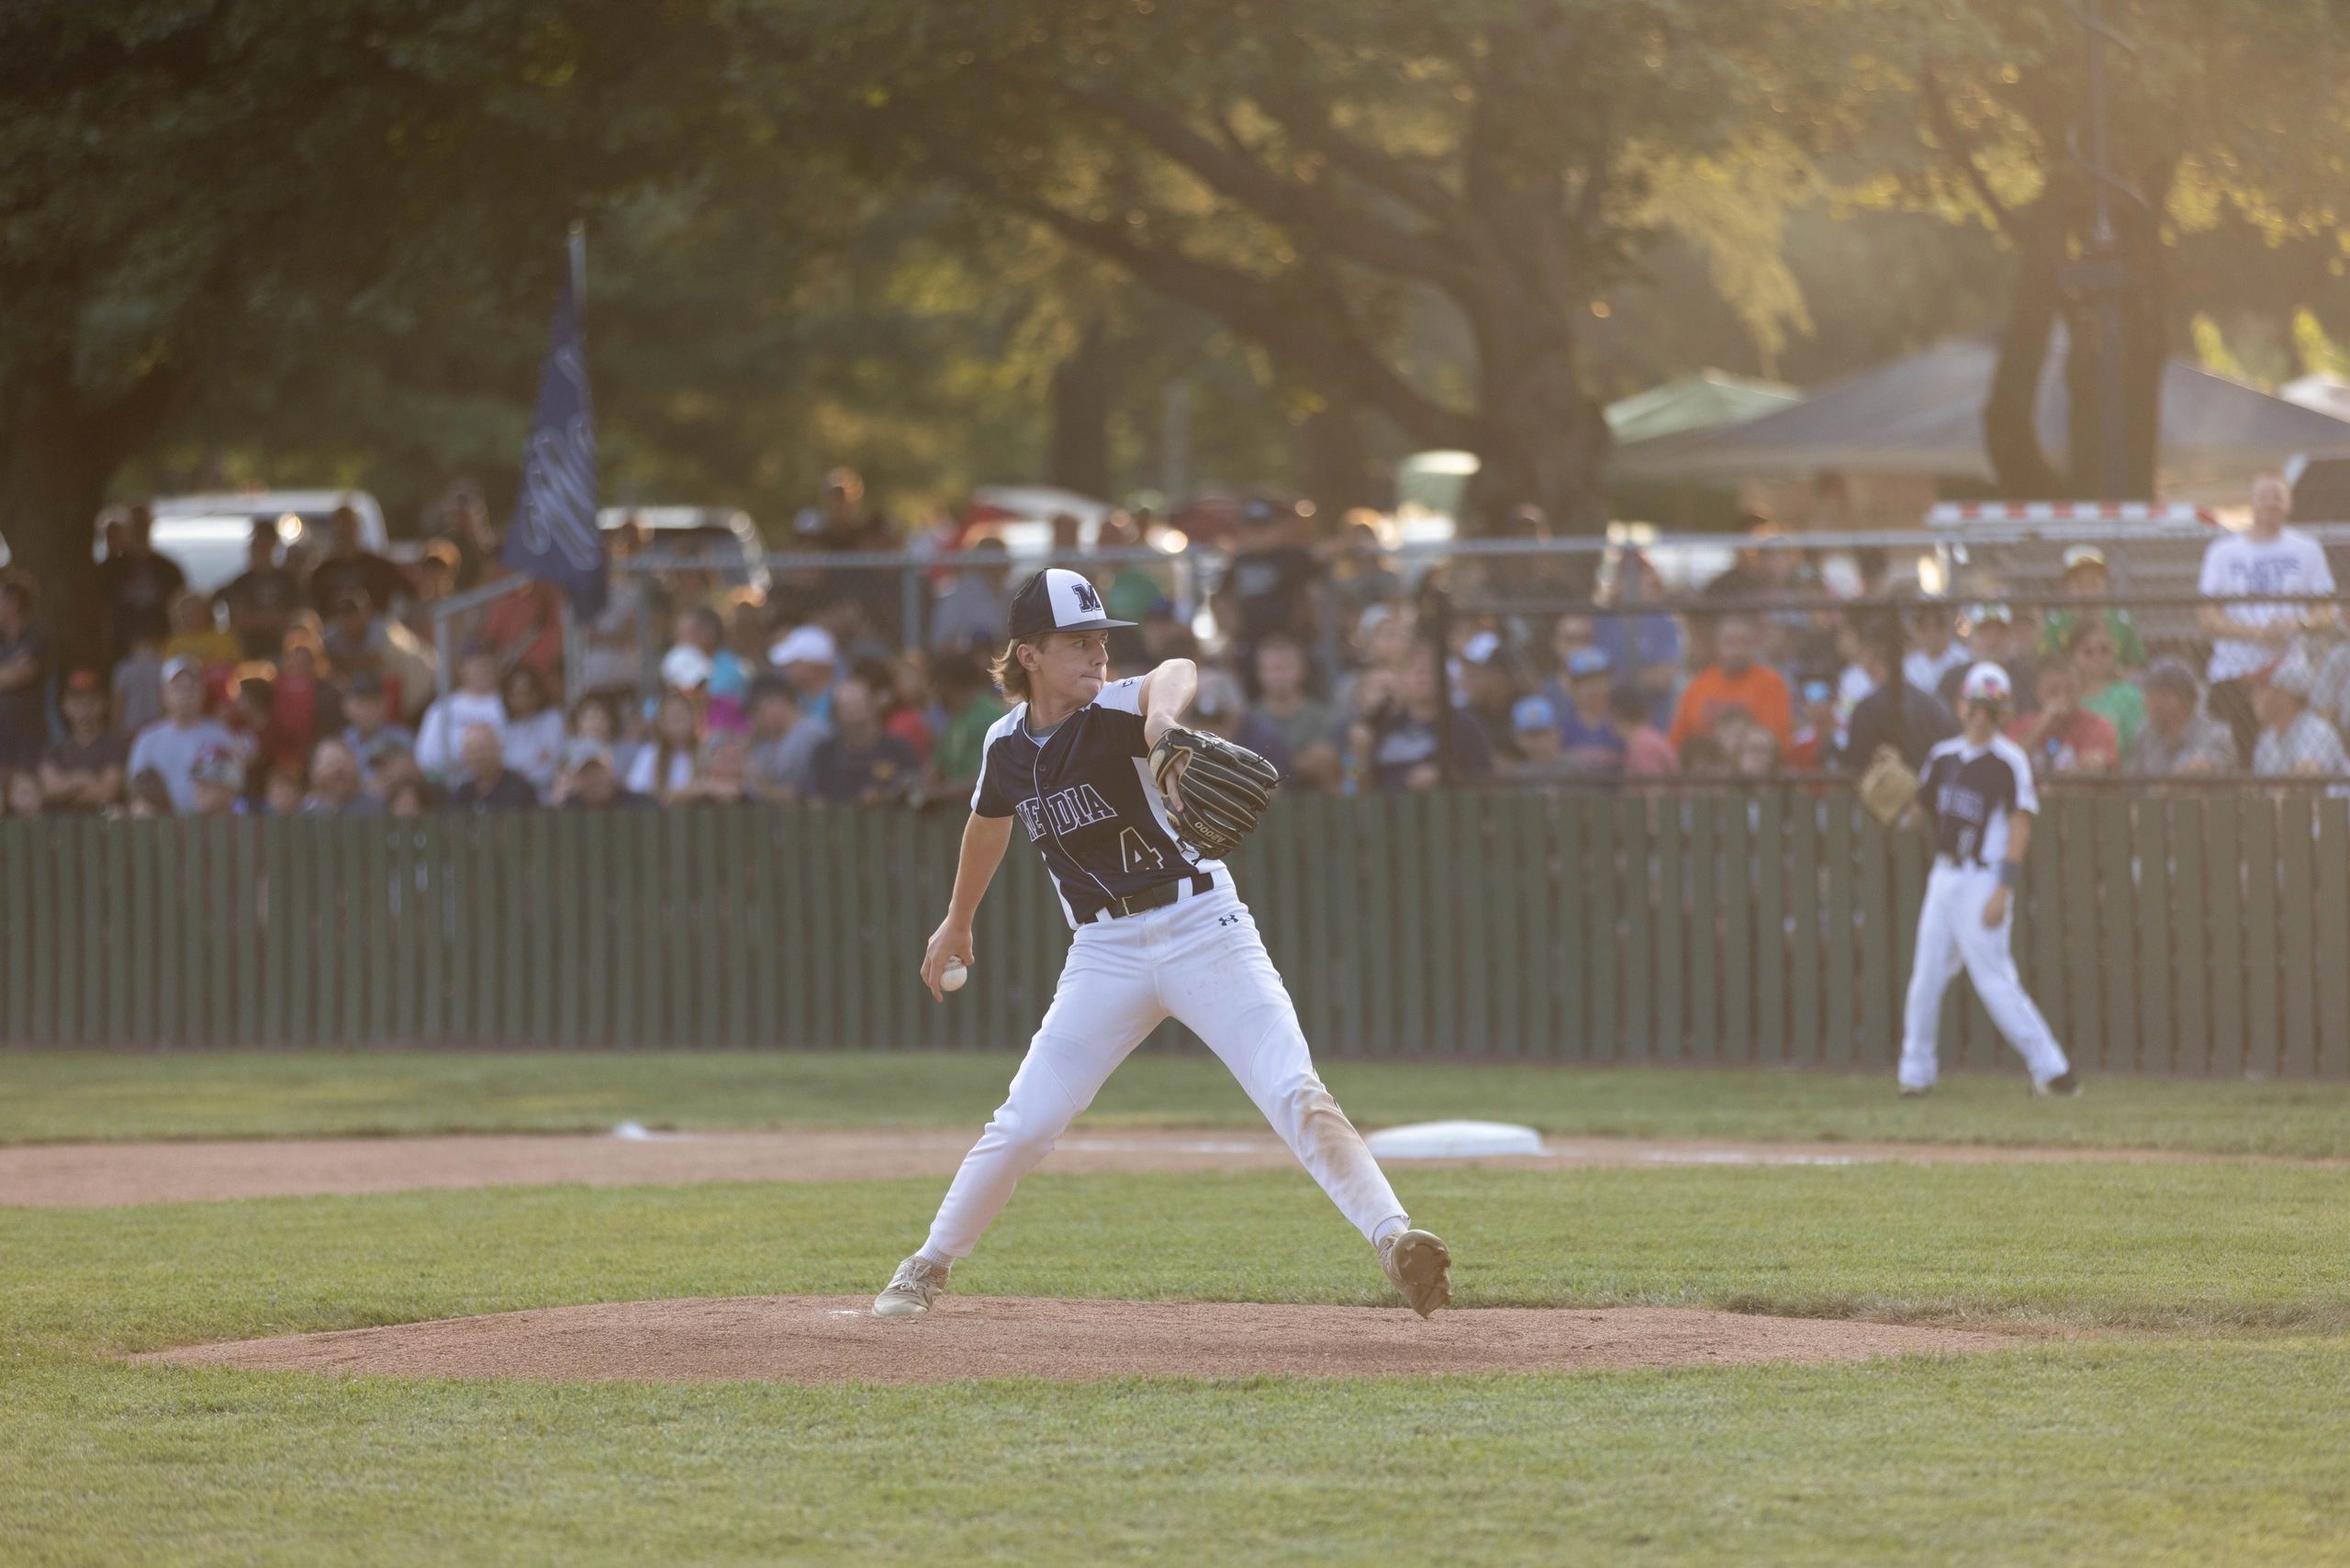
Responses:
[1159,932]
[1977,790]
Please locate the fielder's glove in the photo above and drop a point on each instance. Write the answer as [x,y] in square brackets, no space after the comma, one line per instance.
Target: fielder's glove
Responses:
[1888,787]
[1224,788]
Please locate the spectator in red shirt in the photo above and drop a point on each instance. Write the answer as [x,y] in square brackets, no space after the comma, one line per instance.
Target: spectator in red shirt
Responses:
[1734,680]
[2064,738]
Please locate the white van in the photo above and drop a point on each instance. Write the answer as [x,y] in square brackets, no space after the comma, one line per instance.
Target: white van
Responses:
[208,535]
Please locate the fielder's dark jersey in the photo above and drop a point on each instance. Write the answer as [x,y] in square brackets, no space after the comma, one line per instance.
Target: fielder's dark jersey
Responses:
[1971,791]
[1085,796]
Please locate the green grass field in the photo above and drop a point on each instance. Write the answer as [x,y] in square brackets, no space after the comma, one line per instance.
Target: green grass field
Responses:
[2183,1402]
[53,1096]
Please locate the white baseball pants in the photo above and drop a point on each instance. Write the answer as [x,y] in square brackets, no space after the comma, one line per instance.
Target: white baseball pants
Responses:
[1951,936]
[1201,960]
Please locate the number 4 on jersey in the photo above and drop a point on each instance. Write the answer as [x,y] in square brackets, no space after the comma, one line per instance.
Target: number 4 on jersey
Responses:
[1133,855]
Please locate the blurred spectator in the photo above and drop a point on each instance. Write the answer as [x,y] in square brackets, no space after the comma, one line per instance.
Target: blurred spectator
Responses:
[1925,719]
[970,706]
[860,763]
[701,651]
[302,706]
[217,781]
[1753,750]
[476,701]
[173,743]
[486,784]
[1815,740]
[1734,679]
[972,613]
[1361,576]
[1403,743]
[262,599]
[1934,652]
[2179,739]
[24,681]
[1705,757]
[1130,588]
[149,797]
[1304,725]
[2064,738]
[350,567]
[809,660]
[84,770]
[2267,561]
[1993,637]
[533,730]
[357,641]
[667,765]
[1163,636]
[2103,690]
[368,732]
[525,625]
[283,790]
[721,777]
[1584,704]
[336,787]
[138,586]
[608,656]
[2294,743]
[197,635]
[589,781]
[2087,577]
[1647,753]
[899,696]
[409,798]
[138,685]
[596,717]
[433,577]
[22,796]
[1541,759]
[1489,689]
[463,520]
[1645,649]
[1270,584]
[784,741]
[1221,709]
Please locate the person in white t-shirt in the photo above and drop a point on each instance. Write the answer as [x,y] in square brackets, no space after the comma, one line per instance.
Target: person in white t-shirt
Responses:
[2266,561]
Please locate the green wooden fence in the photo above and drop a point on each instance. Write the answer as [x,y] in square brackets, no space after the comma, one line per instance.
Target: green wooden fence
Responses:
[2194,934]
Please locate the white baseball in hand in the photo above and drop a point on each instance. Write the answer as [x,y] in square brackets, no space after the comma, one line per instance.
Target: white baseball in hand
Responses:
[952,977]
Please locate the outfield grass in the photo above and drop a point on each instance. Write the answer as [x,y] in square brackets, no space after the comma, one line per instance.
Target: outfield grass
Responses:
[2139,1448]
[49,1096]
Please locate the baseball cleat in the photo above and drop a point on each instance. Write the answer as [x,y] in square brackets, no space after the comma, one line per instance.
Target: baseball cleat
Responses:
[2063,1086]
[912,1289]
[1916,1090]
[1418,1264]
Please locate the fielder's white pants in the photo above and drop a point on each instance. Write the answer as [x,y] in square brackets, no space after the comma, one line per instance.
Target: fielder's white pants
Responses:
[1201,960]
[1952,936]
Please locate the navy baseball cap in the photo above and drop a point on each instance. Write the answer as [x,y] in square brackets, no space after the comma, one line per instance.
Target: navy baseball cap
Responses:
[1057,601]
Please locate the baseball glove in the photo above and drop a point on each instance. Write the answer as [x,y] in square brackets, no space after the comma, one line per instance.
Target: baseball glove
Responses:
[1224,789]
[1888,787]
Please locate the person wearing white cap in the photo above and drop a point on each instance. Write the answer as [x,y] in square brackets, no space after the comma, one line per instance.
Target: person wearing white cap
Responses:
[2294,743]
[1159,932]
[1975,794]
[809,658]
[173,745]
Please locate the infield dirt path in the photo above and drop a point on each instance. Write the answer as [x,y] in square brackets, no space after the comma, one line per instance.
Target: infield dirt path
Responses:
[836,1339]
[110,1174]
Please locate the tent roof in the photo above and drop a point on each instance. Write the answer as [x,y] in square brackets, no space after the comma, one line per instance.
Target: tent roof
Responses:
[1924,415]
[1708,399]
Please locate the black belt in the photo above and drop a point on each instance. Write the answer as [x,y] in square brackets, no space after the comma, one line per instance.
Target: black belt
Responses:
[1155,897]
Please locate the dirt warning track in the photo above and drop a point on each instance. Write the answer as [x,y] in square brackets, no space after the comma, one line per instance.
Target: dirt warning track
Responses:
[836,1339]
[97,1175]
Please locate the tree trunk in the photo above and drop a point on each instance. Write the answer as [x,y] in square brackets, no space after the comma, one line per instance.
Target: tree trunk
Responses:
[1083,384]
[56,461]
[1545,442]
[2021,469]
[1333,461]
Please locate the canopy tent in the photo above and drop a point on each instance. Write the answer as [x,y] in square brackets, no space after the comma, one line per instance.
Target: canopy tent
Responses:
[1924,415]
[1706,400]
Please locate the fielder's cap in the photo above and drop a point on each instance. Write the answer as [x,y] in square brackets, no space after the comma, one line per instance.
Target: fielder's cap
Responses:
[187,664]
[1534,713]
[685,667]
[583,751]
[2171,675]
[1986,682]
[805,645]
[1588,661]
[2294,674]
[1056,600]
[2084,555]
[83,680]
[1481,648]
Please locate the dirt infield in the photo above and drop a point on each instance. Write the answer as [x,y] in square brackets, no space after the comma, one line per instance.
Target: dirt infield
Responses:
[836,1339]
[112,1174]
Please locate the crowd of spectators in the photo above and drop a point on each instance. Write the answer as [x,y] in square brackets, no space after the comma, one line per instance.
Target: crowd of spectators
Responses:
[310,687]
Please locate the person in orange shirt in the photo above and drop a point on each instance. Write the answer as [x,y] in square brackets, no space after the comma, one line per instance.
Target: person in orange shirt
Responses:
[1734,680]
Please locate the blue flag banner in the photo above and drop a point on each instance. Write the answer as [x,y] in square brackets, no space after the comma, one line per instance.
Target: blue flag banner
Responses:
[555,536]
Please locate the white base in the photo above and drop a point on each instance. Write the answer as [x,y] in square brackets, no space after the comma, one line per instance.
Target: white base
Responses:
[1453,1140]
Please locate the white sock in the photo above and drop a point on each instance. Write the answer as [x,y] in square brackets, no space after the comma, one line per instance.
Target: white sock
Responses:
[1389,1227]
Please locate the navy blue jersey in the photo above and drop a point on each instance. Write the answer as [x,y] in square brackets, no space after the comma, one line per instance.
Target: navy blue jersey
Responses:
[1084,795]
[1971,791]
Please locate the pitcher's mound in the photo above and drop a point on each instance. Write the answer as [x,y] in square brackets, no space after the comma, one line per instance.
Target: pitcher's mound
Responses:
[836,1340]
